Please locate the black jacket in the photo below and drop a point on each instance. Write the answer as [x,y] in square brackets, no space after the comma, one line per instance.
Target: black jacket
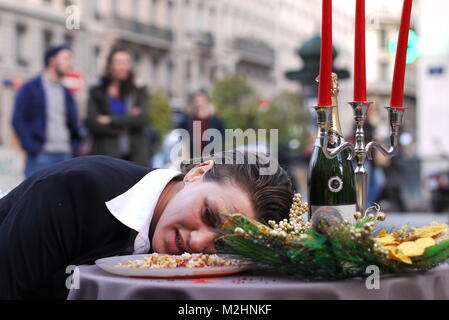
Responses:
[106,137]
[58,218]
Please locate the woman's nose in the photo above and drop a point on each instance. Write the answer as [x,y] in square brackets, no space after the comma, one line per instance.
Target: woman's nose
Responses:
[203,241]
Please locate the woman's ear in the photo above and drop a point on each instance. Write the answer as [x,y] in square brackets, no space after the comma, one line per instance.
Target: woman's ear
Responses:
[198,171]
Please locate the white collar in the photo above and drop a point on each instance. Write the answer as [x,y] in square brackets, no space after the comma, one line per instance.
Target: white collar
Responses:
[135,207]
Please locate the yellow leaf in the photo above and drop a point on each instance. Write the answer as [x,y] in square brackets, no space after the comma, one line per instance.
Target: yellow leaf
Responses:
[425,242]
[382,233]
[388,240]
[397,254]
[430,231]
[411,249]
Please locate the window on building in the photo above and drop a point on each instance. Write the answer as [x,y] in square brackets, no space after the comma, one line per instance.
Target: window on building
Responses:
[69,40]
[202,68]
[155,70]
[47,38]
[135,9]
[185,15]
[188,71]
[96,59]
[383,38]
[170,67]
[213,20]
[169,17]
[212,73]
[97,11]
[383,71]
[21,45]
[136,59]
[154,11]
[114,4]
[200,23]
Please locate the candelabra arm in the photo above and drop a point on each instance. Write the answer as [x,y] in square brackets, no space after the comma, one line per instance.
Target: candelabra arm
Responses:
[388,153]
[324,116]
[396,118]
[332,153]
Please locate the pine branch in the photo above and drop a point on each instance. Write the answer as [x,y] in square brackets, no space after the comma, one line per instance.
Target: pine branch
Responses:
[324,252]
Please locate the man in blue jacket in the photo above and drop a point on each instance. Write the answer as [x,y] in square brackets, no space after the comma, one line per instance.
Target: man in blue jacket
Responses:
[45,117]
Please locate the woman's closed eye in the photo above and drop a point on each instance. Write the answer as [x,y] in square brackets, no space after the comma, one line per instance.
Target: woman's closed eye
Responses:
[210,218]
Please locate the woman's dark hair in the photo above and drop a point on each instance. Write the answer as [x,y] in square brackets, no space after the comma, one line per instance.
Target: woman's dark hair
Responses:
[127,86]
[271,195]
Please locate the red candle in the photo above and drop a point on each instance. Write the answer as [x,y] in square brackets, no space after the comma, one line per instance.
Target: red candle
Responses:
[360,56]
[325,84]
[397,90]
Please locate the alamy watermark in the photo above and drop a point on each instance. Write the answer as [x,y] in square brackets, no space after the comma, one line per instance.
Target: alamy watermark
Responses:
[73,280]
[73,20]
[252,140]
[373,280]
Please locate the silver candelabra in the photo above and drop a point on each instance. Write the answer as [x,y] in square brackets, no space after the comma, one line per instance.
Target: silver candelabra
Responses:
[360,151]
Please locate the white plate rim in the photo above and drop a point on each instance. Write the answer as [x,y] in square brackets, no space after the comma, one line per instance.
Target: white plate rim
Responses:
[108,265]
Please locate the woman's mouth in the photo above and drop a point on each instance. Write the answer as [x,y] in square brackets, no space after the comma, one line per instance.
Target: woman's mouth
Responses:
[178,242]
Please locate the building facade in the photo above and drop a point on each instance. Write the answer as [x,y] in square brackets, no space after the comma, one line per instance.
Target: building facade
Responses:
[383,22]
[433,75]
[381,39]
[178,45]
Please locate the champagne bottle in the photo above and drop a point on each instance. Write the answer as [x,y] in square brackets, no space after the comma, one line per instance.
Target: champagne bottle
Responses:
[331,182]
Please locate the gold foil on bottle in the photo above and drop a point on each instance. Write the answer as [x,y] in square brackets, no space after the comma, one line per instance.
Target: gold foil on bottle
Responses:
[335,120]
[334,131]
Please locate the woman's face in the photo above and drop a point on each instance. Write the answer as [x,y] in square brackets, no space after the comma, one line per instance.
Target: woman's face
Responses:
[120,66]
[201,106]
[188,221]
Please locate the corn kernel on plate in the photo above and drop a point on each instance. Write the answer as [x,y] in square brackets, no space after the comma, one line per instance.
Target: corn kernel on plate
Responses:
[172,266]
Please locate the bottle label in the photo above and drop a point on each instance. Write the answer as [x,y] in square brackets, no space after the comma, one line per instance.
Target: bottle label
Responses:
[335,139]
[335,184]
[347,211]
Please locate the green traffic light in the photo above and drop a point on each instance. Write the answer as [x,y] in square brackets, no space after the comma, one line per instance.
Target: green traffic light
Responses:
[412,50]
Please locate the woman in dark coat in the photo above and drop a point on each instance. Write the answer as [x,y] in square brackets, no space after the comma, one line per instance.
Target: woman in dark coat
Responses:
[117,114]
[88,208]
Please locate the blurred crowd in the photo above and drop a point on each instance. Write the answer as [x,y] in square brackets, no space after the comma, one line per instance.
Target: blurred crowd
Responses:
[47,123]
[46,120]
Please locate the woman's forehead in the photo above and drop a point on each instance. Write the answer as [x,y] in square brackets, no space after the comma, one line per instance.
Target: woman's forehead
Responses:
[232,200]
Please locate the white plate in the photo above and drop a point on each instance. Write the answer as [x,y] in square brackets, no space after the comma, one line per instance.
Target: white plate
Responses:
[109,265]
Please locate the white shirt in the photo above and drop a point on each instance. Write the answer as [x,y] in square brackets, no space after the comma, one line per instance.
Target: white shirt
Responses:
[135,207]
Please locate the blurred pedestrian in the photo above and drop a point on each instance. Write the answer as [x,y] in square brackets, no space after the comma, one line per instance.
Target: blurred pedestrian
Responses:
[117,115]
[202,116]
[45,116]
[392,190]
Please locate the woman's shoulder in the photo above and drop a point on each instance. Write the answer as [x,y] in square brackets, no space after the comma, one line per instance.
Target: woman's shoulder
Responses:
[97,172]
[94,168]
[88,177]
[97,88]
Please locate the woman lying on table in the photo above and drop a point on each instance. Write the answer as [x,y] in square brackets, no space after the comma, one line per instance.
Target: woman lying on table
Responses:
[94,207]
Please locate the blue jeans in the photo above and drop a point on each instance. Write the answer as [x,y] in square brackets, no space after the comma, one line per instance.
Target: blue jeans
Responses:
[43,160]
